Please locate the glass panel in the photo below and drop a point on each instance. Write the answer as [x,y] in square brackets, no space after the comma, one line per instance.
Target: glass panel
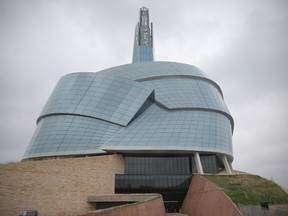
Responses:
[102,96]
[211,164]
[161,165]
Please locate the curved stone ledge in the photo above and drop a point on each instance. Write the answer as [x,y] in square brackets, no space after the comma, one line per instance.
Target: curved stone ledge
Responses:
[148,204]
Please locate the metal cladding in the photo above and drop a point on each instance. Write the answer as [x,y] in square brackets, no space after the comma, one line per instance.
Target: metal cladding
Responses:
[148,107]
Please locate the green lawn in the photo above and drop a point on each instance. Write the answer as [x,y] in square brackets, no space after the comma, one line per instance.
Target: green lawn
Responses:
[249,189]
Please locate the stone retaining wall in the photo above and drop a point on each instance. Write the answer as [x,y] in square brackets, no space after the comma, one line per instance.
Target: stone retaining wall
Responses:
[204,198]
[58,186]
[153,207]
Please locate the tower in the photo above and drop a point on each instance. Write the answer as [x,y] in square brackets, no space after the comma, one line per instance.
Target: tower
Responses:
[143,40]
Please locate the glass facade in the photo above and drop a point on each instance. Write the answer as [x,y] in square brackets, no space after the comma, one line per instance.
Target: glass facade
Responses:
[107,97]
[142,54]
[210,164]
[151,183]
[157,165]
[169,164]
[70,135]
[175,131]
[152,70]
[140,107]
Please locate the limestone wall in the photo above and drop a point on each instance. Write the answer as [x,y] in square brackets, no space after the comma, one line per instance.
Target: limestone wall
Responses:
[58,186]
[204,198]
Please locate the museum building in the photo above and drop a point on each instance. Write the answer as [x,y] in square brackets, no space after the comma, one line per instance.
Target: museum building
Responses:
[168,120]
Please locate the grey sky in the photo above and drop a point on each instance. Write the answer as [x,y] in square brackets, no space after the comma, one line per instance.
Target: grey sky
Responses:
[242,45]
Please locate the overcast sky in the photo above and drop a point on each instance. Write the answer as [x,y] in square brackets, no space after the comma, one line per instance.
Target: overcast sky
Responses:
[242,45]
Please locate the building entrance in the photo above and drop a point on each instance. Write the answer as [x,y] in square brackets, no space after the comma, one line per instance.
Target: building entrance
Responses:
[168,175]
[173,188]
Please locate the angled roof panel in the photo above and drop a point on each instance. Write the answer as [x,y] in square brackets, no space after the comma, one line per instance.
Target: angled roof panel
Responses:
[103,96]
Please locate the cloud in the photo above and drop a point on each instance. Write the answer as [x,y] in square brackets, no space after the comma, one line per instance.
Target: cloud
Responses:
[241,45]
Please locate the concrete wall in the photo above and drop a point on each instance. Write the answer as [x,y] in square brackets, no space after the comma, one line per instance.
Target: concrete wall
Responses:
[154,207]
[58,186]
[204,198]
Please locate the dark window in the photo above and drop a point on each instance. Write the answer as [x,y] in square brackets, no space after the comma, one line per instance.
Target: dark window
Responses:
[150,183]
[161,165]
[210,164]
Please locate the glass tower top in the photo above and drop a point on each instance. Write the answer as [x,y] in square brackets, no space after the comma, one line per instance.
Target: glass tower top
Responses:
[143,41]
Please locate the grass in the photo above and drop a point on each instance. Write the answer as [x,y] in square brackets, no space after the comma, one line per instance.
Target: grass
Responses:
[249,189]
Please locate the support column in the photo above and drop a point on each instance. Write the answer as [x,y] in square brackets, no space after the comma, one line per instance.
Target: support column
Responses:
[198,163]
[231,168]
[226,164]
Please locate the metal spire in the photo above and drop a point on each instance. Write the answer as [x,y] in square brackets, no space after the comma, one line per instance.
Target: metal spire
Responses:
[143,41]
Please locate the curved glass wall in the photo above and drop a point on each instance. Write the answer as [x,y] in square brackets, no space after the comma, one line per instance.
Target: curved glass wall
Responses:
[107,97]
[144,70]
[157,129]
[139,107]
